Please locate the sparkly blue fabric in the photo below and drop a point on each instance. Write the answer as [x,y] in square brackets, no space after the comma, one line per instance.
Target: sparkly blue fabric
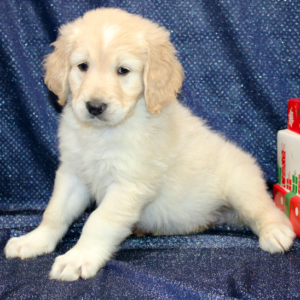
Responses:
[241,60]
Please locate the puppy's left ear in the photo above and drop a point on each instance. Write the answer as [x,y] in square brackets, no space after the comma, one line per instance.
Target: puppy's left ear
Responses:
[163,74]
[57,67]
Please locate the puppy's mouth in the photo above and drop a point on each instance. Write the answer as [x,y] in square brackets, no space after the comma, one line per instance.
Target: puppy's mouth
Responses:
[98,114]
[102,117]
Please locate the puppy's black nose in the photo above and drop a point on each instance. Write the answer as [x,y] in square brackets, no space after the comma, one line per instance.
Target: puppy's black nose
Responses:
[96,108]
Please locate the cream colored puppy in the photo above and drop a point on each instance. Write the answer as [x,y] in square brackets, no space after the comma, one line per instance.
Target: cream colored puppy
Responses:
[126,142]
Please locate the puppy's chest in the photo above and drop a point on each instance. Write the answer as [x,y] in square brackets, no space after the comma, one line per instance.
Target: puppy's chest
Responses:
[99,158]
[104,157]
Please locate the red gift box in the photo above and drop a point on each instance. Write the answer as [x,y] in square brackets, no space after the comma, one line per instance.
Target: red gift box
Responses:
[295,214]
[278,196]
[294,115]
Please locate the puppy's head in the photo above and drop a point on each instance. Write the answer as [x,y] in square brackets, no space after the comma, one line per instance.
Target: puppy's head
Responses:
[107,60]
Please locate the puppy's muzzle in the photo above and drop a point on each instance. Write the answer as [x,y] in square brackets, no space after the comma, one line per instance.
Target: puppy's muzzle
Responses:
[96,108]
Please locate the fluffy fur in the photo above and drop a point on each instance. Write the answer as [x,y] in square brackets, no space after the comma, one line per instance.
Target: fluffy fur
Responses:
[145,159]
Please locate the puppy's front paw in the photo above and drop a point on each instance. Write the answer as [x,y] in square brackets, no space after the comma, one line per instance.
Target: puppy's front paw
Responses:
[276,237]
[39,241]
[74,264]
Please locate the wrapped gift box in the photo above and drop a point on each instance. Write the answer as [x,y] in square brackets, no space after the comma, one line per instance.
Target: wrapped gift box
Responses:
[288,160]
[286,193]
[294,115]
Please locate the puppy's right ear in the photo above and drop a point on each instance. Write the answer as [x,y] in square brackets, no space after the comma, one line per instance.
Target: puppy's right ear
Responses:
[57,67]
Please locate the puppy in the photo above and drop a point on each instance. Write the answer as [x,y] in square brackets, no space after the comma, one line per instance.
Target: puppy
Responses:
[125,141]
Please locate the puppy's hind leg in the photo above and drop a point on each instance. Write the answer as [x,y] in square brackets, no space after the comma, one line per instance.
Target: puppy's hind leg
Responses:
[246,193]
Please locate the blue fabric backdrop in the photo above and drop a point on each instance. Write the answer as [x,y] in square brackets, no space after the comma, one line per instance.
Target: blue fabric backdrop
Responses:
[241,61]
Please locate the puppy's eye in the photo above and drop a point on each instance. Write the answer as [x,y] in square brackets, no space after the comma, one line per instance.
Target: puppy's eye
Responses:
[83,67]
[123,71]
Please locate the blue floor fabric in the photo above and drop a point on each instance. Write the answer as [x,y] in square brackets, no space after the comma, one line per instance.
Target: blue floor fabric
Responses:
[242,64]
[222,263]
